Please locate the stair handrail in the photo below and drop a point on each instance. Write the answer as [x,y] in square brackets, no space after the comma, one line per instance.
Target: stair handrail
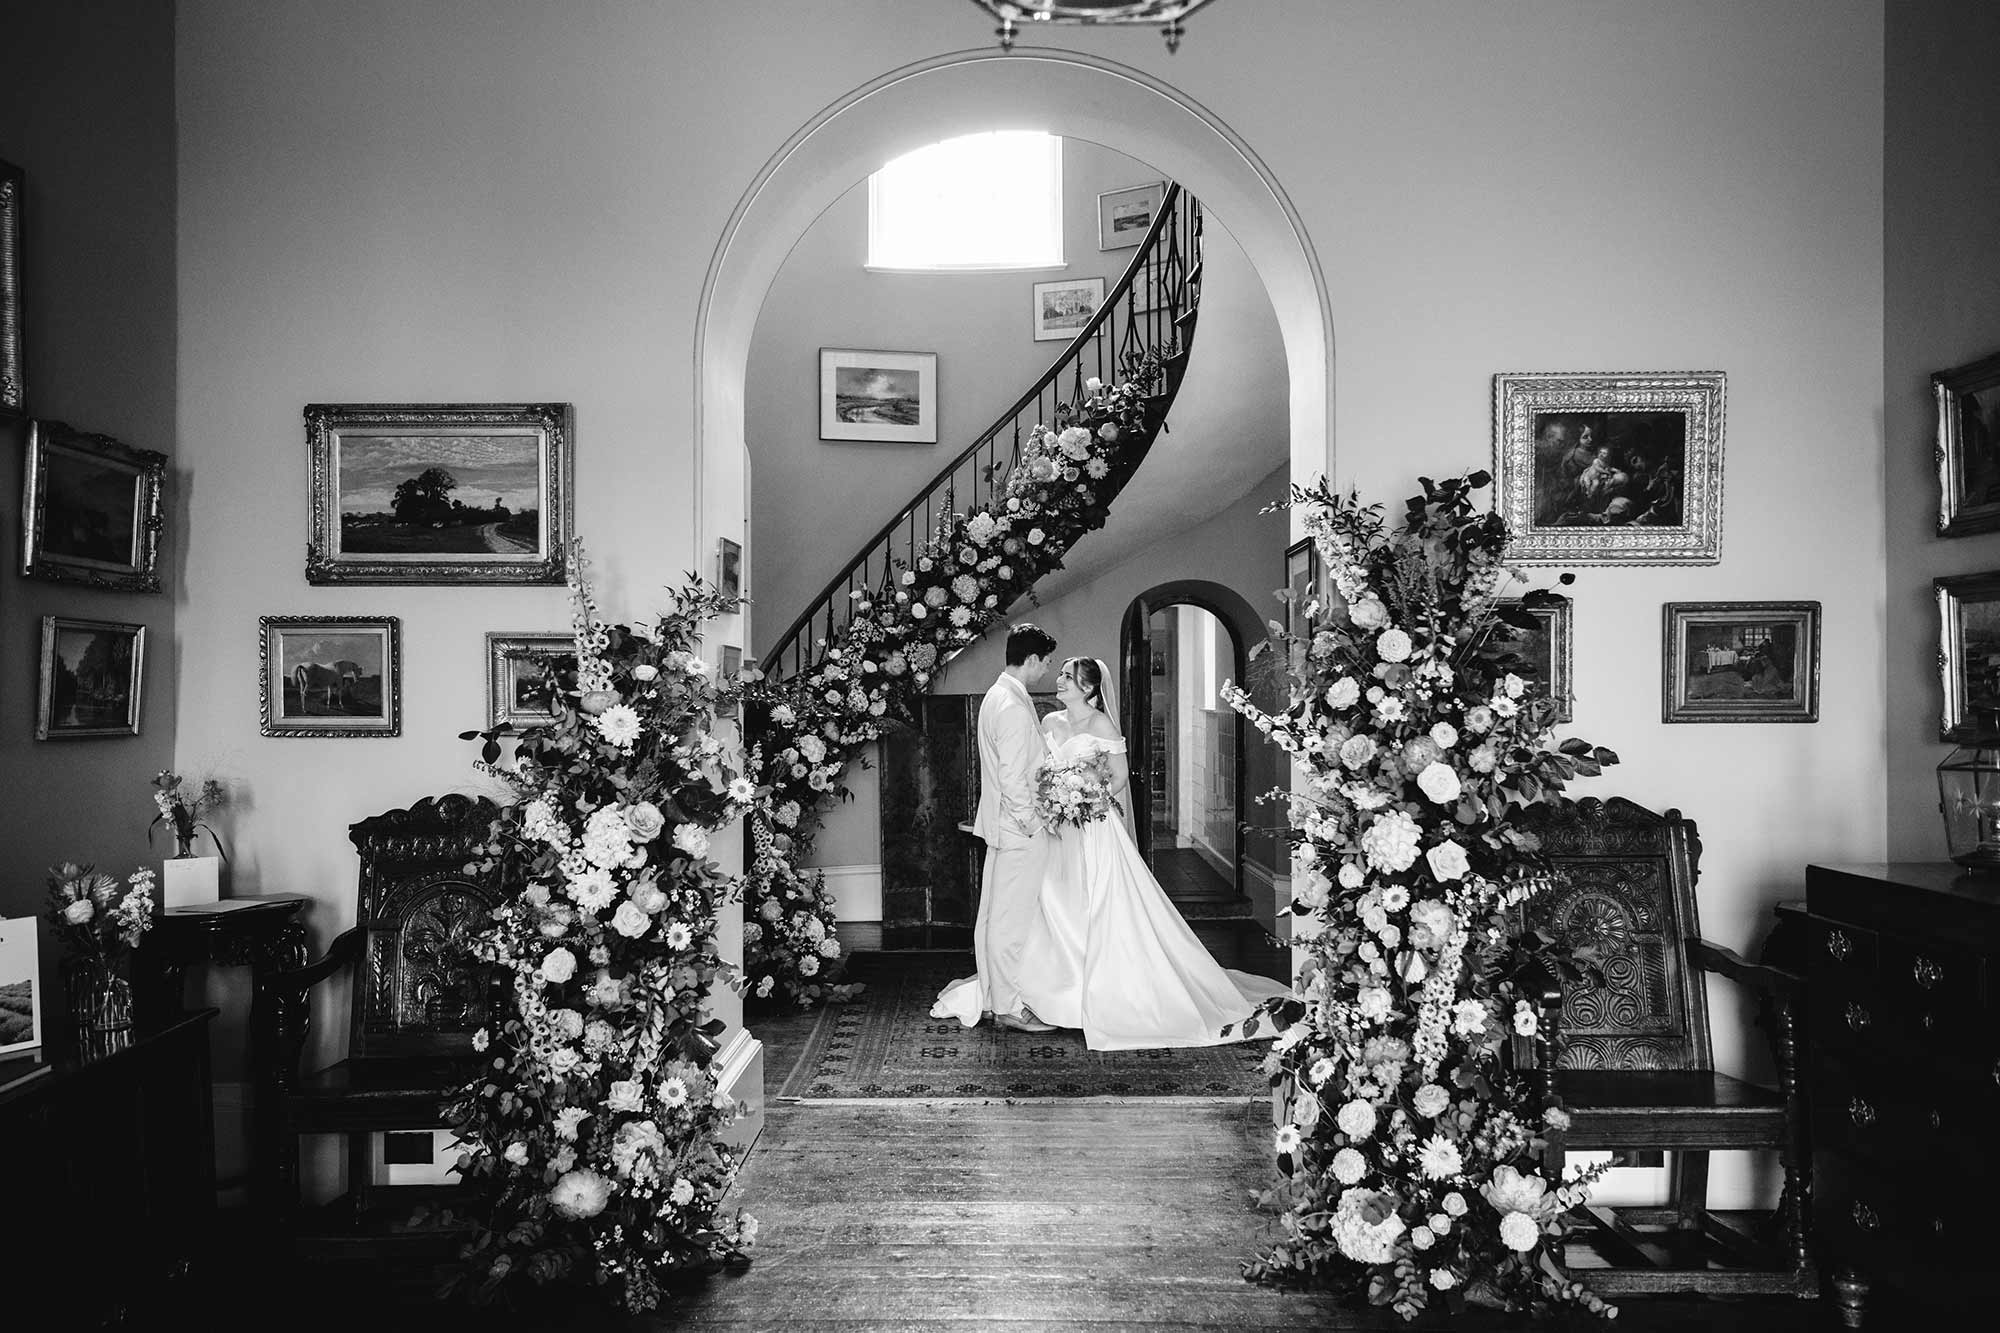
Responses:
[1068,361]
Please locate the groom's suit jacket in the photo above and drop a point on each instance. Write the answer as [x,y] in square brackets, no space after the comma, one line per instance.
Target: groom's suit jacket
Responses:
[1010,750]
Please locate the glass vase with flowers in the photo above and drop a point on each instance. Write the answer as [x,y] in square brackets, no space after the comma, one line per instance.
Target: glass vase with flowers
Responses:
[99,922]
[181,804]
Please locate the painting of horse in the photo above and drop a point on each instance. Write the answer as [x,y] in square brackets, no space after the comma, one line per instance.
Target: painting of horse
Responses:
[332,675]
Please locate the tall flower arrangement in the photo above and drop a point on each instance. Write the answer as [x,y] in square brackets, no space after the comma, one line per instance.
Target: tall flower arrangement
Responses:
[1411,1149]
[595,1128]
[869,673]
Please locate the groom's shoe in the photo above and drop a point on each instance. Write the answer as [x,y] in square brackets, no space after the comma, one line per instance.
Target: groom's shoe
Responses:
[1025,1021]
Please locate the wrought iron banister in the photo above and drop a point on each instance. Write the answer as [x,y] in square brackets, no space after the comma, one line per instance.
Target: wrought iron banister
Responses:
[1149,312]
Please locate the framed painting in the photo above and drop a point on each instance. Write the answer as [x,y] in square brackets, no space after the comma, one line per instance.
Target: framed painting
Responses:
[20,986]
[729,567]
[1063,308]
[90,510]
[330,676]
[453,493]
[1125,216]
[1300,557]
[1968,447]
[92,671]
[1969,655]
[1617,469]
[886,397]
[1545,651]
[1740,662]
[13,374]
[514,672]
[726,672]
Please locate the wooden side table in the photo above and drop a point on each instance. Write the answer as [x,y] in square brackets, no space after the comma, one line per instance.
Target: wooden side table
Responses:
[263,932]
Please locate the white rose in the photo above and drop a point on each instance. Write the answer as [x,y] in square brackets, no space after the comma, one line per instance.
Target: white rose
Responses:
[630,920]
[559,966]
[692,839]
[645,821]
[79,912]
[1526,1021]
[1513,684]
[1356,1119]
[1483,759]
[1368,613]
[1343,693]
[1444,735]
[1349,1166]
[1351,875]
[1431,1101]
[627,1094]
[682,1193]
[1447,860]
[517,1153]
[645,671]
[1439,781]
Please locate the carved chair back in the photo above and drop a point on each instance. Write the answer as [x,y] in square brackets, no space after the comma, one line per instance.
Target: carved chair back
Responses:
[416,992]
[1626,888]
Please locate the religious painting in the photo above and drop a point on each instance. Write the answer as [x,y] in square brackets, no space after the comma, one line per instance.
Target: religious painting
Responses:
[516,689]
[1062,309]
[1969,655]
[454,493]
[1740,662]
[330,676]
[91,510]
[1125,216]
[91,675]
[886,397]
[1968,447]
[1610,469]
[1544,651]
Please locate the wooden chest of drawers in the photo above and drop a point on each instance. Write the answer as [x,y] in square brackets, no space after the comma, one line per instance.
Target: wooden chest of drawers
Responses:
[1902,1076]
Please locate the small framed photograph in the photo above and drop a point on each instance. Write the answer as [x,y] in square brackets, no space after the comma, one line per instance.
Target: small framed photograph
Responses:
[515,666]
[1300,558]
[1545,651]
[1149,289]
[20,986]
[92,671]
[1063,308]
[887,397]
[1968,447]
[726,672]
[1969,654]
[729,567]
[13,373]
[90,510]
[329,676]
[1621,469]
[454,493]
[1125,216]
[1740,662]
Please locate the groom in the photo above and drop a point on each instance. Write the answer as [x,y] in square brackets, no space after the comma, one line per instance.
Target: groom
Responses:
[1010,751]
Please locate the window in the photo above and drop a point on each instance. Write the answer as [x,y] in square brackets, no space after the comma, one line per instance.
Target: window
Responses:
[982,201]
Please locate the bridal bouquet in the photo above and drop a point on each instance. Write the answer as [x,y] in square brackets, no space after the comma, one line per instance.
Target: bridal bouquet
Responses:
[1074,794]
[1412,1143]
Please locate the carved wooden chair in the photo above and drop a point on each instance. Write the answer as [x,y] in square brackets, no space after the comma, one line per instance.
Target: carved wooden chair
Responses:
[416,1003]
[1628,1052]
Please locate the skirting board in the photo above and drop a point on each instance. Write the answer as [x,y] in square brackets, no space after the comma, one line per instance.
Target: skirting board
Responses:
[739,1073]
[856,891]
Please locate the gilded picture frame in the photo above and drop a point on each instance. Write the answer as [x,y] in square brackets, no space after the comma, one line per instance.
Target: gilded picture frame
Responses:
[13,368]
[1739,662]
[1968,447]
[514,672]
[92,679]
[383,478]
[1968,654]
[1610,469]
[1548,652]
[327,677]
[91,510]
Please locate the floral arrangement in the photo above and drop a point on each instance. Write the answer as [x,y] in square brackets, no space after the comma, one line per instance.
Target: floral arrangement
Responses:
[1075,794]
[181,809]
[865,676]
[98,919]
[1411,1148]
[595,1128]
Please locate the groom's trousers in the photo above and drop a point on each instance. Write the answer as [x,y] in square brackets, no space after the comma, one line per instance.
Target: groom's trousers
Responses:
[1010,895]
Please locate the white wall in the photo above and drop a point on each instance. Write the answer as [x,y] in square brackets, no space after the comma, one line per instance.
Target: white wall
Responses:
[505,200]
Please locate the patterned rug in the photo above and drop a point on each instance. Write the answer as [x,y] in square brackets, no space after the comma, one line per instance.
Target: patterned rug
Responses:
[885,1045]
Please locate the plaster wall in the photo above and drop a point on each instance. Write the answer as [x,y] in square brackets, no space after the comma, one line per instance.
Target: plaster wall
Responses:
[505,200]
[1941,286]
[86,111]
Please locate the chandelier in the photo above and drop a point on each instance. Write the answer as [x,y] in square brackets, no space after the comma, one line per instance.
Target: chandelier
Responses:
[1167,13]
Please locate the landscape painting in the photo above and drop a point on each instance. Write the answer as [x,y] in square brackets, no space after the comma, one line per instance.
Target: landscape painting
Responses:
[92,510]
[889,397]
[1062,309]
[90,679]
[449,494]
[330,676]
[1740,662]
[1969,655]
[20,997]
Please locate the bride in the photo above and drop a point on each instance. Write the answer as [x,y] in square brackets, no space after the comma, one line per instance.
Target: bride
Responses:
[1109,953]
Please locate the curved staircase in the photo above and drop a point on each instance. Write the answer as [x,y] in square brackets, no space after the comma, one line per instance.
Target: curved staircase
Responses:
[1143,330]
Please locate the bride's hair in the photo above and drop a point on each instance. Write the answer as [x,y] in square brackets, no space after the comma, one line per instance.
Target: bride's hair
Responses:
[1089,678]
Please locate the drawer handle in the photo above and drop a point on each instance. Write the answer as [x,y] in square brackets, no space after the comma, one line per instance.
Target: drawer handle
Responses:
[1857,1018]
[1861,1112]
[1927,973]
[1864,1216]
[1839,945]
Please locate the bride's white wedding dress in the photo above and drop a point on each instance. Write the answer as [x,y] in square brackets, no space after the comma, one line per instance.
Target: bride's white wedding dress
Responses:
[1111,955]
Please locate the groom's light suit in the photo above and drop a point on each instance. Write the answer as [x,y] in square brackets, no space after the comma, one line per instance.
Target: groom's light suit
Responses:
[1010,887]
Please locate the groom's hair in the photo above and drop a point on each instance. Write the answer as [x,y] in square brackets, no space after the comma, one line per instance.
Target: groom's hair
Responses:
[1025,641]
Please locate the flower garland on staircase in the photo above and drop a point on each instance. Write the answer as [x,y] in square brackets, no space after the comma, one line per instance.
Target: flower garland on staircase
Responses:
[869,673]
[596,1128]
[1412,1140]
